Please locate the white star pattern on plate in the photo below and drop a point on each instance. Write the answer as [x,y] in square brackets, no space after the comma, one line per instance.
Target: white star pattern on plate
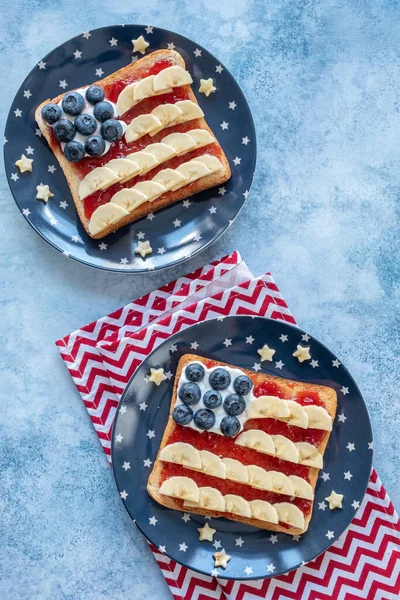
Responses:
[18,112]
[217,544]
[214,573]
[87,35]
[123,409]
[168,375]
[212,210]
[221,318]
[53,221]
[186,203]
[5,140]
[283,338]
[38,132]
[147,463]
[103,246]
[237,160]
[330,534]
[77,54]
[248,570]
[239,542]
[66,253]
[118,438]
[305,337]
[279,364]
[350,447]
[321,505]
[63,204]
[257,367]
[142,406]
[99,72]
[224,125]
[152,520]
[325,476]
[271,568]
[113,42]
[183,547]
[161,250]
[314,363]
[171,46]
[27,94]
[227,342]
[219,68]
[197,237]
[150,434]
[249,339]
[245,140]
[63,84]
[124,495]
[162,549]
[197,52]
[194,345]
[296,538]
[126,466]
[177,223]
[273,539]
[140,235]
[246,193]
[342,417]
[124,261]
[148,29]
[347,475]
[355,504]
[186,517]
[14,176]
[75,239]
[41,65]
[221,191]
[26,212]
[150,216]
[51,168]
[370,445]
[344,390]
[173,348]
[232,105]
[336,363]
[29,150]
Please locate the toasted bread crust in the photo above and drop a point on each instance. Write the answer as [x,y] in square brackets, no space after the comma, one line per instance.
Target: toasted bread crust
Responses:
[167,199]
[327,395]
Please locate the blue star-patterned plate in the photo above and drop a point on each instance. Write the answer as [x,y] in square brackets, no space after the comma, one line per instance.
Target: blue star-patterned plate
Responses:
[175,233]
[140,424]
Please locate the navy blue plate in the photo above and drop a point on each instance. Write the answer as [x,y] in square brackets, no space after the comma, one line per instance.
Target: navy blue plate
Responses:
[175,233]
[141,420]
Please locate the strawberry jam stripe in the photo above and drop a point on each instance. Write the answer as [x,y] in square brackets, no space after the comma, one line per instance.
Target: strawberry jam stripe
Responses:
[225,486]
[293,433]
[113,90]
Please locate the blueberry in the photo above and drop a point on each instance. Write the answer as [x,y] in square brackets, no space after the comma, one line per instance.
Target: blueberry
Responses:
[111,130]
[95,145]
[234,405]
[73,103]
[94,94]
[189,393]
[182,414]
[204,418]
[85,124]
[212,399]
[242,385]
[103,111]
[74,151]
[219,379]
[230,426]
[195,372]
[64,130]
[51,113]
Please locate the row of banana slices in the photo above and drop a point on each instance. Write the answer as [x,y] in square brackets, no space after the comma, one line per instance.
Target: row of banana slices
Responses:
[291,412]
[280,446]
[164,115]
[187,455]
[153,85]
[127,199]
[138,163]
[211,499]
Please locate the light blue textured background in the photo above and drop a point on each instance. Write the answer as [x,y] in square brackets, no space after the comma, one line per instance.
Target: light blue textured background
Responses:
[322,79]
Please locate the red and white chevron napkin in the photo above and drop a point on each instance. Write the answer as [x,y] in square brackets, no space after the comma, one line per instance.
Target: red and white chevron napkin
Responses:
[102,356]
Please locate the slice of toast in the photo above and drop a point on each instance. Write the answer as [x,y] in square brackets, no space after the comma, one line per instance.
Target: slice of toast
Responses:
[73,174]
[326,394]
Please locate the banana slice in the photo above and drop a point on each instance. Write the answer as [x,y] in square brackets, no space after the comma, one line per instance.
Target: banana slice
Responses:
[123,168]
[298,415]
[125,99]
[211,162]
[202,137]
[235,471]
[281,483]
[309,455]
[209,498]
[180,142]
[193,170]
[237,505]
[259,478]
[265,407]
[150,189]
[161,151]
[128,199]
[258,440]
[290,514]
[302,489]
[105,215]
[180,487]
[169,178]
[144,160]
[191,110]
[174,76]
[285,449]
[144,88]
[181,453]
[318,418]
[140,126]
[211,464]
[167,114]
[264,511]
[98,179]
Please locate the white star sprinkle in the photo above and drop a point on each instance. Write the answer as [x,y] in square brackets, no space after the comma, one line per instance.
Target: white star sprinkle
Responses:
[162,549]
[342,417]
[53,221]
[217,544]
[186,203]
[150,216]
[314,363]
[279,364]
[266,353]
[99,72]
[26,212]
[237,160]
[249,339]
[336,363]
[173,348]
[126,466]
[124,494]
[239,542]
[142,406]
[140,235]
[148,29]
[63,204]
[113,42]
[257,367]
[168,375]
[302,353]
[356,504]
[283,338]
[224,125]
[18,112]
[87,35]
[42,65]
[334,500]
[147,463]
[212,210]
[38,132]
[157,376]
[221,559]
[344,390]
[296,538]
[350,447]
[29,150]
[321,505]
[140,45]
[177,223]
[143,248]
[77,54]
[232,105]
[43,192]
[27,94]
[347,475]
[122,409]
[207,87]
[221,191]
[24,164]
[194,345]
[271,568]
[119,438]
[219,68]
[214,573]
[124,261]
[273,539]
[150,434]
[330,534]
[206,533]
[75,238]
[325,476]
[103,246]
[197,237]
[63,84]
[152,520]
[171,46]
[305,337]
[197,52]
[51,169]
[186,517]
[227,342]
[245,140]
[248,570]
[370,445]
[161,250]
[183,547]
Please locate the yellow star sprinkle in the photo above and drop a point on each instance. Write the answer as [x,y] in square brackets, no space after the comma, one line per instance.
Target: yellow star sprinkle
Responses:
[335,500]
[266,353]
[140,45]
[206,533]
[302,353]
[157,376]
[221,559]
[207,87]
[43,192]
[143,248]
[24,163]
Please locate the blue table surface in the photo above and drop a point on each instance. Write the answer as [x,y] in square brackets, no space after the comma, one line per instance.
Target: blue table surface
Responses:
[322,78]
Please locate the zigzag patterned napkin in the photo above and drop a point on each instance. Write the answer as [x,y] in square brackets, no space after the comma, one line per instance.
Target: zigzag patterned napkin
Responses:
[102,356]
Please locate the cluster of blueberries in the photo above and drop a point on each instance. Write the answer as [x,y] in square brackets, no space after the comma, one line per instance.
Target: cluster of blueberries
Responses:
[73,104]
[190,394]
